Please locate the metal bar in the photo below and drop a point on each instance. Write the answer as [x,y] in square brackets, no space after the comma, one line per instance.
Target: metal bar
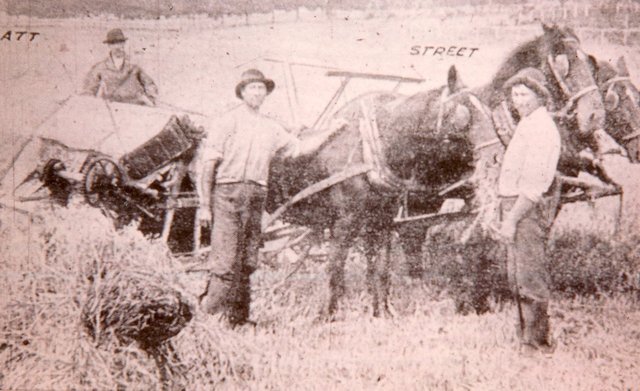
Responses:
[434,218]
[332,101]
[180,171]
[375,76]
[299,63]
[589,196]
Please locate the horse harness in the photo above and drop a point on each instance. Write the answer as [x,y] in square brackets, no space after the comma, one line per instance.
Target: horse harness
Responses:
[374,164]
[608,86]
[572,98]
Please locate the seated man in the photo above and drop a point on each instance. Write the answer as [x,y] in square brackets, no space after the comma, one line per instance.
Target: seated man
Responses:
[117,79]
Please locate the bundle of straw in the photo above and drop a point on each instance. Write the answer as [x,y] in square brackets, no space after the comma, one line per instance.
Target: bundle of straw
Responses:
[98,308]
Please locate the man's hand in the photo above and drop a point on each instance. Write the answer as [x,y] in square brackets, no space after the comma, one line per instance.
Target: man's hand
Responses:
[146,100]
[204,215]
[193,131]
[507,231]
[338,124]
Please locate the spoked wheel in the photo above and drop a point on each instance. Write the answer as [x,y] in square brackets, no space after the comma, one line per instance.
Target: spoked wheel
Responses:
[102,181]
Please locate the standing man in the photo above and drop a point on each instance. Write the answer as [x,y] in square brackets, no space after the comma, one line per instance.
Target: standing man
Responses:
[526,175]
[236,156]
[117,79]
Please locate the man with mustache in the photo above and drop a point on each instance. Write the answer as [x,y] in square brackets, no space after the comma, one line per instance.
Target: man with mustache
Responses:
[232,187]
[117,79]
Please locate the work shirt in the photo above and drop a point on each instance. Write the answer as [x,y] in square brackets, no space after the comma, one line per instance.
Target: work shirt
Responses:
[127,84]
[245,141]
[530,161]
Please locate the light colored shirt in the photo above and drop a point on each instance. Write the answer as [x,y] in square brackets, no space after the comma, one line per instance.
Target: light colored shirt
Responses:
[245,142]
[530,161]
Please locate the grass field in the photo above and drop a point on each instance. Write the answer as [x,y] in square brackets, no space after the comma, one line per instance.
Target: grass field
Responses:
[425,345]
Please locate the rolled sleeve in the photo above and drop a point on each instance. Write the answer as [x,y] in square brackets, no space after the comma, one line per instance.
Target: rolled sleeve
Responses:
[213,146]
[288,144]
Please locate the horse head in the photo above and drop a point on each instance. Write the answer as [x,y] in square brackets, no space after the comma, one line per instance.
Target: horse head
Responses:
[576,97]
[621,99]
[434,135]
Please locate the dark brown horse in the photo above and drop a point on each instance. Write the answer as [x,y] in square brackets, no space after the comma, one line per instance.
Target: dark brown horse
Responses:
[621,98]
[427,142]
[576,99]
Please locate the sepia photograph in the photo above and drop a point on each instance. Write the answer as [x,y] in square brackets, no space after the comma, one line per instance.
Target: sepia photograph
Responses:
[320,195]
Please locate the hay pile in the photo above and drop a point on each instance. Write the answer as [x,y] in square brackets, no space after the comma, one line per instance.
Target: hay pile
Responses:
[88,307]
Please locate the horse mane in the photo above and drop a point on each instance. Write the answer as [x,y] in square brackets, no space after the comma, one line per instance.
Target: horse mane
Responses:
[525,55]
[604,71]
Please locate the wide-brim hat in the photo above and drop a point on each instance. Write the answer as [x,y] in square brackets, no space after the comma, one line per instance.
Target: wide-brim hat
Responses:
[115,36]
[533,78]
[252,76]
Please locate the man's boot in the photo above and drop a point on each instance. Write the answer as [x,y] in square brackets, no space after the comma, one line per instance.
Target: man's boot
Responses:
[535,326]
[240,301]
[215,299]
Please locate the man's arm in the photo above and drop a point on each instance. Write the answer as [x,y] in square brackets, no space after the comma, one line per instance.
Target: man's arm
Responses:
[150,88]
[92,81]
[313,142]
[520,209]
[204,184]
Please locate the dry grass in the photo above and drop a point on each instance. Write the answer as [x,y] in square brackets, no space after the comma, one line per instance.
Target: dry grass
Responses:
[69,265]
[425,345]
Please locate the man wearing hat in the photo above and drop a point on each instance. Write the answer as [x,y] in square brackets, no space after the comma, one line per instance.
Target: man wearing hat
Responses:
[236,156]
[117,79]
[526,176]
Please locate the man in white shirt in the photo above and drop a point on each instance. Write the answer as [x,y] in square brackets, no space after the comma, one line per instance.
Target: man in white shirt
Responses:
[235,156]
[526,175]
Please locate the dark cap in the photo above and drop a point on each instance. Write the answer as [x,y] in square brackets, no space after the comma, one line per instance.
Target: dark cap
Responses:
[115,36]
[531,78]
[252,76]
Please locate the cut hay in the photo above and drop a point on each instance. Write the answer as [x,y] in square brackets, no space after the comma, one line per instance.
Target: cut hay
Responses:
[88,307]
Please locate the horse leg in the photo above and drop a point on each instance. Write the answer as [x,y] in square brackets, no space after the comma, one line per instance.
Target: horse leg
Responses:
[343,234]
[378,265]
[411,239]
[385,272]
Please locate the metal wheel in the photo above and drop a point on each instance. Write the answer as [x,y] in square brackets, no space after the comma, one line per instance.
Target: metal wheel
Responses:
[102,179]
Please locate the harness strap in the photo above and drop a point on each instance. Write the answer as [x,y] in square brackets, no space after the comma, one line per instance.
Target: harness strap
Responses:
[563,85]
[445,96]
[631,136]
[372,154]
[341,176]
[614,80]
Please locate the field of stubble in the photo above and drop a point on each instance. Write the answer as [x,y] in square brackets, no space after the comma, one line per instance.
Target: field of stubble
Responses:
[425,345]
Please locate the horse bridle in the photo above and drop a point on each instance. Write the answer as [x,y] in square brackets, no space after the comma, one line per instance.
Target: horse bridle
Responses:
[445,96]
[607,86]
[573,98]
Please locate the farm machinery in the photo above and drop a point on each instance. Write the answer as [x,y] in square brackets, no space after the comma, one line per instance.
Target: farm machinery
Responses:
[84,151]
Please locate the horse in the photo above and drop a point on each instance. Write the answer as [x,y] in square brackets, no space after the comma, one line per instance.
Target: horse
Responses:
[427,141]
[621,99]
[575,98]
